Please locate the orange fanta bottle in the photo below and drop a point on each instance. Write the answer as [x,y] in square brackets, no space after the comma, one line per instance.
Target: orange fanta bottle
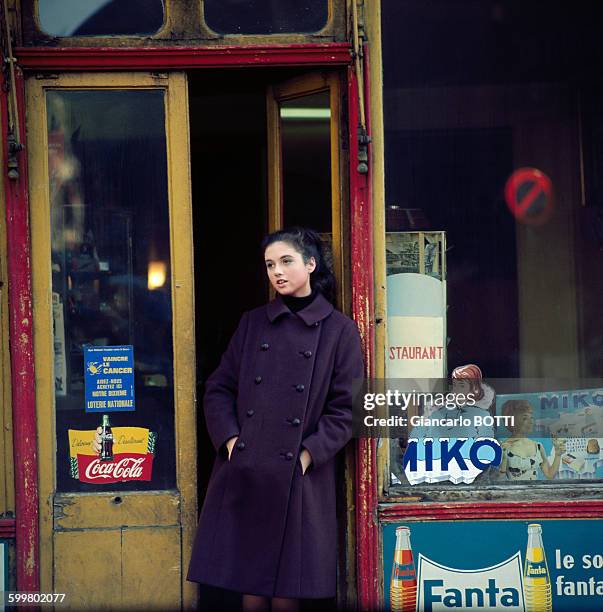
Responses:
[403,588]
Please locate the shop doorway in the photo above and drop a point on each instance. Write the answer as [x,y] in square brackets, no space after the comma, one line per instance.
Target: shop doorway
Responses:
[114,270]
[266,152]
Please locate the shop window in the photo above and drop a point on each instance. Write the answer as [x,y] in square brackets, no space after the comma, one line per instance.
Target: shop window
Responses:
[111,284]
[266,16]
[100,17]
[493,146]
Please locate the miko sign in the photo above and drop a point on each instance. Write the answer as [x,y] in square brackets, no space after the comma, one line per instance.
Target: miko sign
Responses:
[457,460]
[529,196]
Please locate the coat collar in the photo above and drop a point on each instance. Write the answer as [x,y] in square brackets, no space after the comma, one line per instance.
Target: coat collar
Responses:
[318,309]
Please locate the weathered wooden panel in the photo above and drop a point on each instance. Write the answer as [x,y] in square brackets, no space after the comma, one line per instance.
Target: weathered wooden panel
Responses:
[151,569]
[135,509]
[87,568]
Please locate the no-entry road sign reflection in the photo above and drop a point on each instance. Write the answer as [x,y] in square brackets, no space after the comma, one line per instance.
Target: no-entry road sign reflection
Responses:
[529,196]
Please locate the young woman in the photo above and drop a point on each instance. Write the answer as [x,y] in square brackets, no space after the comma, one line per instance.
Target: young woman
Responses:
[278,409]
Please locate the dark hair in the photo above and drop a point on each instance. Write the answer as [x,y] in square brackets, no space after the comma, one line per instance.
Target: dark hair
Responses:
[308,243]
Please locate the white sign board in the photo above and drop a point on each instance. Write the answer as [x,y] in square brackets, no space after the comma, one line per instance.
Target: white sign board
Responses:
[416,336]
[498,587]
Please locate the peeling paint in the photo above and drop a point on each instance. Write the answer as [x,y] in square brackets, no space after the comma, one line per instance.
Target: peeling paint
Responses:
[59,507]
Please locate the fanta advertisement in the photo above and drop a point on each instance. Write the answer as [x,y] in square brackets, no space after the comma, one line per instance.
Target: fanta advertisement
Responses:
[133,453]
[527,566]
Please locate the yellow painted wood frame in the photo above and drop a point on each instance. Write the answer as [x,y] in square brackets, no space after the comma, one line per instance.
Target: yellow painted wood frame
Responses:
[372,12]
[183,21]
[7,486]
[155,520]
[305,85]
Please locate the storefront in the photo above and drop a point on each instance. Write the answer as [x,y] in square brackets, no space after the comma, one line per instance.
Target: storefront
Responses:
[491,158]
[449,152]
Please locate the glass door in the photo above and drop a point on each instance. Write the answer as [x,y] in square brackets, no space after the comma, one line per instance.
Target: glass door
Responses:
[305,163]
[114,329]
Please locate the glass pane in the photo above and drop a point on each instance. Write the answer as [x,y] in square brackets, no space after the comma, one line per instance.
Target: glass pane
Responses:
[111,283]
[266,16]
[100,17]
[493,137]
[306,160]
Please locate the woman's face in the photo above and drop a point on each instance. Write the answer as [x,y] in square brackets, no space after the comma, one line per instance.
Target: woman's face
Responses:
[288,273]
[523,422]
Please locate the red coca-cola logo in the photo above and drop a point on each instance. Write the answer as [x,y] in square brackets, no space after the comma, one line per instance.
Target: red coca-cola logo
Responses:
[124,467]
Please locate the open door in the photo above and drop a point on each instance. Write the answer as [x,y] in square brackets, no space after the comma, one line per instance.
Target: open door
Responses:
[114,337]
[305,164]
[308,186]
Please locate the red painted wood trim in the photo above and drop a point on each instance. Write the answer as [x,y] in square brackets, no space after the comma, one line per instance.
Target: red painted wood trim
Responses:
[492,510]
[367,558]
[22,358]
[7,528]
[164,58]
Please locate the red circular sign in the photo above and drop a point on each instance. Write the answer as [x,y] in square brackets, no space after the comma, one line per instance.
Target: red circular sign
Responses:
[529,196]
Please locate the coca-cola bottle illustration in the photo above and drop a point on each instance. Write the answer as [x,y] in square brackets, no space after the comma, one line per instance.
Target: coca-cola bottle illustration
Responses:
[106,453]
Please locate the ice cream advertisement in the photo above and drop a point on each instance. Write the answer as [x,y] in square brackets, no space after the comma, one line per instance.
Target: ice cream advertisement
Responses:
[552,435]
[527,566]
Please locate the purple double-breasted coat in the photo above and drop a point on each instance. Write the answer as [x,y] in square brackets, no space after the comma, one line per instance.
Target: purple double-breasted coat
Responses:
[283,384]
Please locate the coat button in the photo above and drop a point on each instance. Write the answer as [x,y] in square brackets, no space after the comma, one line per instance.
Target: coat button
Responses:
[299,388]
[308,354]
[265,346]
[258,380]
[295,422]
[250,412]
[289,456]
[241,445]
[316,324]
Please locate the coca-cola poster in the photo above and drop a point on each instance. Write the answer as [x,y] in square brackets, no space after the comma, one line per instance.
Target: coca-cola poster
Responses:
[133,450]
[124,467]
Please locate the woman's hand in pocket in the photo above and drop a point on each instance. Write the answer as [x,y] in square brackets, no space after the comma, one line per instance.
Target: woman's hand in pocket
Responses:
[305,458]
[230,445]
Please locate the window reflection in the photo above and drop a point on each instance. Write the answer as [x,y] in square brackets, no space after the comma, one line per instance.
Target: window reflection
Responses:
[110,257]
[100,17]
[266,16]
[306,158]
[475,101]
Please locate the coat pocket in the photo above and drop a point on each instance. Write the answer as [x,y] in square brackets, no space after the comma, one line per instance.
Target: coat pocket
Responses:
[299,469]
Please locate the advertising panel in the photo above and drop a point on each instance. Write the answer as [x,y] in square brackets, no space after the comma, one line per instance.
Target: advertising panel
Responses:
[109,455]
[109,375]
[553,434]
[540,566]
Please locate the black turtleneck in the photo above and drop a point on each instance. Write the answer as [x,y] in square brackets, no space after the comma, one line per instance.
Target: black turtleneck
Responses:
[295,304]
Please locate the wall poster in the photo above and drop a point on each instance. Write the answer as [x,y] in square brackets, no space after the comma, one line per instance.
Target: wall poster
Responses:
[527,566]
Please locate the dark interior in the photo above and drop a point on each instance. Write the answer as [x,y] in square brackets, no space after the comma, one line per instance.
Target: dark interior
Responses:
[448,154]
